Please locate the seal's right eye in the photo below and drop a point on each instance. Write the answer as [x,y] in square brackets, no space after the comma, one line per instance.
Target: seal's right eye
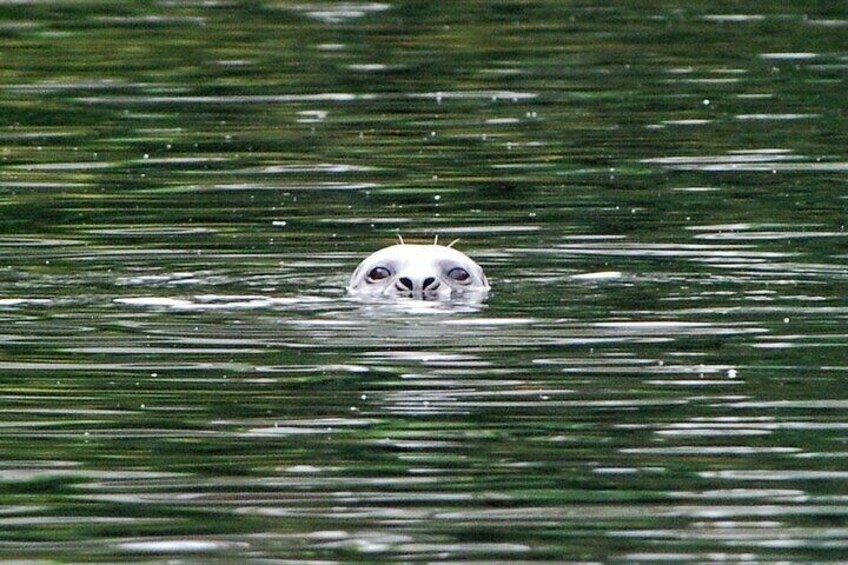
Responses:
[459,275]
[378,274]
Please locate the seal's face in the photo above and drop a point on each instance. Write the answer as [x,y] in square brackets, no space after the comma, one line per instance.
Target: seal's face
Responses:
[427,272]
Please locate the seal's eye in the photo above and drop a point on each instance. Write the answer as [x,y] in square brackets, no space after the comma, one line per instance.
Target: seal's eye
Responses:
[459,274]
[378,274]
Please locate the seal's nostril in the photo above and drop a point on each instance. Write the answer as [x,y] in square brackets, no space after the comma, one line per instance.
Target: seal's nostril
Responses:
[406,283]
[429,282]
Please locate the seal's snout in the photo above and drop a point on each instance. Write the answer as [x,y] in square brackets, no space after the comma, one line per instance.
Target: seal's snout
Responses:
[409,286]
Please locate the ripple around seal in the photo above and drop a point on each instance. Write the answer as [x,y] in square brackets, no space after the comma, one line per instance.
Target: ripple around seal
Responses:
[329,168]
[68,166]
[336,13]
[225,99]
[217,302]
[6,302]
[179,546]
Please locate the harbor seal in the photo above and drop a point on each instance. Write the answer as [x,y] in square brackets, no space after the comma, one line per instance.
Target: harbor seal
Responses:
[424,272]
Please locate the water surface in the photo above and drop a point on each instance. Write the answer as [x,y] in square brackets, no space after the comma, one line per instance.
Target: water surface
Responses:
[656,192]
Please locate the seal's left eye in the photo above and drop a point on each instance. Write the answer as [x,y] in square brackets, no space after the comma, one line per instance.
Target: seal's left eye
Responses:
[459,274]
[378,274]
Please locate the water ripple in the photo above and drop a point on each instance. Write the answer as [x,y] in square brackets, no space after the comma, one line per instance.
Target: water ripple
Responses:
[754,161]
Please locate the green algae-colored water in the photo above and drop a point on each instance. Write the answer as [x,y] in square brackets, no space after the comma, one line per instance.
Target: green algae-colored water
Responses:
[657,192]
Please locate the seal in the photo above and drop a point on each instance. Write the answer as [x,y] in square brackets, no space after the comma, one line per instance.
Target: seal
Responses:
[425,272]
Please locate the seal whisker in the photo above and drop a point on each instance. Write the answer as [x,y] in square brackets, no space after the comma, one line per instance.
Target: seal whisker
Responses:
[454,242]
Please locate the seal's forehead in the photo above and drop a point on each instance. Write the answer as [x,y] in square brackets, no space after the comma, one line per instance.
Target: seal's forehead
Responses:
[411,251]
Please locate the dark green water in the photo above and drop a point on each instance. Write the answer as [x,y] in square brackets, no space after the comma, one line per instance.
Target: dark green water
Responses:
[185,187]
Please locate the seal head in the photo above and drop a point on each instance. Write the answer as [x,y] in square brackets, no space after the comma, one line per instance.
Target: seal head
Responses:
[425,272]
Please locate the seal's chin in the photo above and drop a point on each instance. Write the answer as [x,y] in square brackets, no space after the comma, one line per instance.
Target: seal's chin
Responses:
[399,291]
[442,293]
[419,294]
[389,300]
